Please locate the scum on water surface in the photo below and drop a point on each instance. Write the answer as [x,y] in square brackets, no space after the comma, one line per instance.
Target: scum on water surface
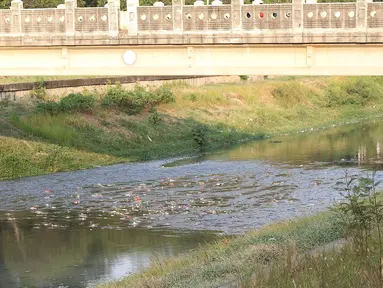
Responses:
[231,191]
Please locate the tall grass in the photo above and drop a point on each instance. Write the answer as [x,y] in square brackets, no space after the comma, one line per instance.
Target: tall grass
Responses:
[235,260]
[177,119]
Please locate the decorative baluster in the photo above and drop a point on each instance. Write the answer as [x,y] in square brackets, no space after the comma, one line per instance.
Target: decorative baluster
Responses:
[131,6]
[297,15]
[178,15]
[113,14]
[236,14]
[16,7]
[70,6]
[361,14]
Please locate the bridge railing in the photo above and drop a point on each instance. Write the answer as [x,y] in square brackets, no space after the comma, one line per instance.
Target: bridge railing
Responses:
[65,19]
[293,17]
[237,16]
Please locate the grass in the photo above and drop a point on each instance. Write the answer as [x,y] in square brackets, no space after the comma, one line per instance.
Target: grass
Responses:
[345,267]
[236,260]
[203,117]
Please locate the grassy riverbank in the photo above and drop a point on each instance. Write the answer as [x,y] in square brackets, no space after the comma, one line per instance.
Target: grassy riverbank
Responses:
[205,117]
[304,253]
[243,259]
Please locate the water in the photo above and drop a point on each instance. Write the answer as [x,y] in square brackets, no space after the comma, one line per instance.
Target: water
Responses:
[76,229]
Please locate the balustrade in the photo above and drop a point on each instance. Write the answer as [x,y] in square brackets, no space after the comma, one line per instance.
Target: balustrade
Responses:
[292,17]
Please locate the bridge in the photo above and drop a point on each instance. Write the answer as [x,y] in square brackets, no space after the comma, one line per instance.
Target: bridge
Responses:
[295,38]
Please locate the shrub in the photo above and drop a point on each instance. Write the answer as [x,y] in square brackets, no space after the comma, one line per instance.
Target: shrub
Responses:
[289,94]
[39,92]
[154,118]
[199,136]
[133,102]
[243,77]
[164,95]
[72,102]
[354,91]
[77,102]
[50,107]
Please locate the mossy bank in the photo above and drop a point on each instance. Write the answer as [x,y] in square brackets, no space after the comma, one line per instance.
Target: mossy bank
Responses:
[91,129]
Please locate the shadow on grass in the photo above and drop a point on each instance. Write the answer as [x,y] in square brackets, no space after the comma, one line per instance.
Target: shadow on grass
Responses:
[110,132]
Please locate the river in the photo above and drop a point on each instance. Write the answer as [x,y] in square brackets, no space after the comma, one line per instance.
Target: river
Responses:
[80,228]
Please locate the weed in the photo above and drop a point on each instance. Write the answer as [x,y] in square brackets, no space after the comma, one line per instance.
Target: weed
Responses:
[77,102]
[362,214]
[135,101]
[74,102]
[199,136]
[154,118]
[39,92]
[353,91]
[191,97]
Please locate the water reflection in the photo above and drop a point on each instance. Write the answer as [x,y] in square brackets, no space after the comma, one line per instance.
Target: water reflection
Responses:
[31,257]
[358,144]
[76,228]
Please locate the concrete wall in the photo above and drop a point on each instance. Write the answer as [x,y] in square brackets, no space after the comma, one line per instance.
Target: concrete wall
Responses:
[20,92]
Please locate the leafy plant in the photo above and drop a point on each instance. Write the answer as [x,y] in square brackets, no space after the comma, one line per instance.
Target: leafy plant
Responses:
[72,102]
[49,107]
[154,118]
[135,101]
[39,92]
[199,136]
[354,91]
[362,214]
[77,102]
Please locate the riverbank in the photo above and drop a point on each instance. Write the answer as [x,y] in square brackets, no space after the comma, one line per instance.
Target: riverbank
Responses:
[243,260]
[199,119]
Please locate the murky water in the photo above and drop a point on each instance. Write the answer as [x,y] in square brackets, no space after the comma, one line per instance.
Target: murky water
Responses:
[78,228]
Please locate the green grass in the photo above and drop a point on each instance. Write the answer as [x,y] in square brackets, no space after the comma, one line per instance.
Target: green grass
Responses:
[20,158]
[236,260]
[203,117]
[338,267]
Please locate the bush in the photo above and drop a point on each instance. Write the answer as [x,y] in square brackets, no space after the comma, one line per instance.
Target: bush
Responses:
[154,118]
[199,136]
[164,95]
[77,102]
[72,102]
[354,91]
[290,93]
[50,107]
[133,102]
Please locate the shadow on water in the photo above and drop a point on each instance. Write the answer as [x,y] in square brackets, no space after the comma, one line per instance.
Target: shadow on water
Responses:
[33,256]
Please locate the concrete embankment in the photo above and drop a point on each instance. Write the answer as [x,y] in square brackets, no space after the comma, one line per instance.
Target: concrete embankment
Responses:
[19,92]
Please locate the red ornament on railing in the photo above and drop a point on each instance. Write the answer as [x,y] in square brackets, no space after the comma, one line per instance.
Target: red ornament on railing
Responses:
[261,15]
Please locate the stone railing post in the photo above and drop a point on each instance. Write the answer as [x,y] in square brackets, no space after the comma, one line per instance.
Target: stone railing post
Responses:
[16,7]
[131,7]
[297,15]
[113,16]
[178,15]
[361,14]
[236,14]
[70,6]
